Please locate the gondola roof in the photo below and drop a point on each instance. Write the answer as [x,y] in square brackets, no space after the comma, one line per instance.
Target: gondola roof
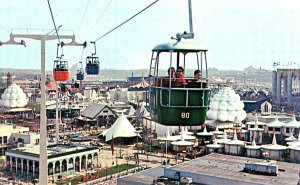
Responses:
[180,46]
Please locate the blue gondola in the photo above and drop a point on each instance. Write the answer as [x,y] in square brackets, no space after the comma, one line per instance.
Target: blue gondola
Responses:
[92,63]
[80,75]
[80,72]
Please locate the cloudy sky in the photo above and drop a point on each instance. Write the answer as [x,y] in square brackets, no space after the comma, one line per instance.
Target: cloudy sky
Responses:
[238,33]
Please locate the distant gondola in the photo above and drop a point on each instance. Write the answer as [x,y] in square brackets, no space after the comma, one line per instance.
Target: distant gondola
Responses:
[60,70]
[92,63]
[80,72]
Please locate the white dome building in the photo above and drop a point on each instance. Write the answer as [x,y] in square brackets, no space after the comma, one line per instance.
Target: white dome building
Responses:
[14,96]
[204,136]
[181,145]
[234,147]
[226,106]
[253,150]
[215,147]
[274,150]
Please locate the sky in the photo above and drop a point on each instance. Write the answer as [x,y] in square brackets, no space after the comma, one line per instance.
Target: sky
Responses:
[238,33]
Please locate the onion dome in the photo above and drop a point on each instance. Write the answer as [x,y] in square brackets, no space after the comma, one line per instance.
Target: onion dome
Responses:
[14,96]
[225,106]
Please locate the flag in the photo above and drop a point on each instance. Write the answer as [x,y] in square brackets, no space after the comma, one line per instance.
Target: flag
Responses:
[112,145]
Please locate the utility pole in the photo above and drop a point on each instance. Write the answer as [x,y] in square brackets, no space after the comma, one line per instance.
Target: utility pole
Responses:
[58,121]
[43,166]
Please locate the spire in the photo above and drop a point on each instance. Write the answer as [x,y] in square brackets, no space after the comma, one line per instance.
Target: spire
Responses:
[274,142]
[253,142]
[167,133]
[186,129]
[215,141]
[294,118]
[225,134]
[276,118]
[205,130]
[256,117]
[217,129]
[256,120]
[181,138]
[234,135]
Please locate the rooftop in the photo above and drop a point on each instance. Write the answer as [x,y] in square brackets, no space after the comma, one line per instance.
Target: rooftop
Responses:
[230,167]
[53,150]
[143,177]
[222,167]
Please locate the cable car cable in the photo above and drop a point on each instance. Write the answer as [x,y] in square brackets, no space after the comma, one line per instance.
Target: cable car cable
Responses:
[101,15]
[53,20]
[87,5]
[126,21]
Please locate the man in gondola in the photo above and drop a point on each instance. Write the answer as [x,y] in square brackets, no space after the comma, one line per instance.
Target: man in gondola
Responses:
[166,79]
[197,75]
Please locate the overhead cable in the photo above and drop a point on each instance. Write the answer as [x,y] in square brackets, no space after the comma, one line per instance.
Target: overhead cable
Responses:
[87,5]
[101,15]
[126,20]
[53,21]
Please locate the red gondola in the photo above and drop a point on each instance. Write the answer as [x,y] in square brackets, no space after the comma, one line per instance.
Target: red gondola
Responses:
[60,70]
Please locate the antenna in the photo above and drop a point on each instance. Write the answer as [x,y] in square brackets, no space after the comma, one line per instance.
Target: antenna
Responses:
[275,64]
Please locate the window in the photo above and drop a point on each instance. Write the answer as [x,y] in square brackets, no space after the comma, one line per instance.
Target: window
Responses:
[270,129]
[277,129]
[5,140]
[287,130]
[1,140]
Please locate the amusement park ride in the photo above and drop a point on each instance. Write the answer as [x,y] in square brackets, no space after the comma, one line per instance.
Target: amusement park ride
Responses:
[179,104]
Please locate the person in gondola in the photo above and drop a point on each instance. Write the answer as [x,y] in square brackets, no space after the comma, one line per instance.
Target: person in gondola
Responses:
[197,81]
[63,67]
[197,75]
[166,79]
[180,79]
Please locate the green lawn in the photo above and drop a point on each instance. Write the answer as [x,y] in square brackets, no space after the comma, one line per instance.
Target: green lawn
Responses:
[104,172]
[114,169]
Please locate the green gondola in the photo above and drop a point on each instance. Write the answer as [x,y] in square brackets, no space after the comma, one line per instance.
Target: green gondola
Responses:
[173,103]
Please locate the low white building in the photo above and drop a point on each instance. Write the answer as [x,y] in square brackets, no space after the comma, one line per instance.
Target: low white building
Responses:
[295,153]
[234,147]
[63,160]
[274,151]
[253,150]
[26,138]
[6,138]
